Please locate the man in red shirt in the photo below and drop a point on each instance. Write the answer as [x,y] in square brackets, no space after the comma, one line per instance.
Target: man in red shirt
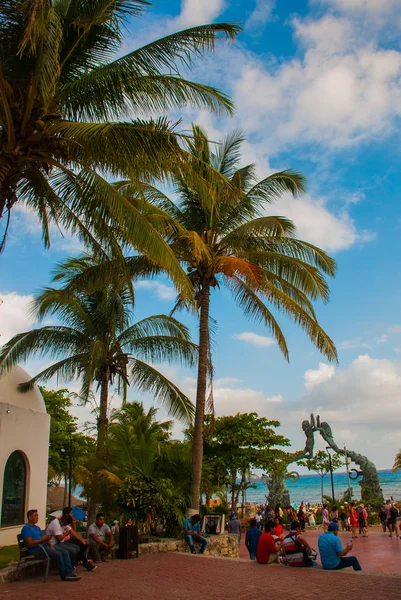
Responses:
[266,552]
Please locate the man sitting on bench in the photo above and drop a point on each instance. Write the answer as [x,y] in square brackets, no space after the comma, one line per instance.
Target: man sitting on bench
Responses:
[34,539]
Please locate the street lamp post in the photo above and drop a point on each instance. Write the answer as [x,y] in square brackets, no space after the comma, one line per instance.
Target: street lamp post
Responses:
[331,474]
[347,467]
[70,431]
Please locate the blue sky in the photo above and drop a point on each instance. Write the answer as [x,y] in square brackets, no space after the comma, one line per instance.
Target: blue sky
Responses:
[317,88]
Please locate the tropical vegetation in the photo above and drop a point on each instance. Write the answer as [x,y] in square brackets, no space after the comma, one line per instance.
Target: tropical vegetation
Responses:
[226,238]
[97,343]
[73,110]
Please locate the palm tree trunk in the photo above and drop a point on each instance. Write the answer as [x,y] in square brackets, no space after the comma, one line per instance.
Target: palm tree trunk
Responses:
[65,490]
[103,418]
[197,447]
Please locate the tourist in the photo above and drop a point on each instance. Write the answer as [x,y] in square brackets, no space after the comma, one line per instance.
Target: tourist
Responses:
[342,518]
[252,538]
[115,527]
[234,526]
[62,533]
[334,515]
[353,519]
[192,533]
[311,517]
[40,547]
[383,517]
[298,552]
[301,516]
[279,513]
[100,538]
[129,523]
[258,518]
[269,514]
[291,516]
[331,551]
[363,520]
[279,528]
[392,514]
[325,517]
[267,550]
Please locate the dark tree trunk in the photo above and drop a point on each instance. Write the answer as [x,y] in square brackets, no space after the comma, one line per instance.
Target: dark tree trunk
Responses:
[103,419]
[197,448]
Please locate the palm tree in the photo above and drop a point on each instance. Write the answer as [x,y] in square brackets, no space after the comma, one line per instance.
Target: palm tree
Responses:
[227,239]
[62,91]
[397,462]
[98,344]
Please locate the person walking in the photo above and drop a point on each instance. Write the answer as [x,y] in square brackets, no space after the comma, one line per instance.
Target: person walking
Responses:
[234,526]
[363,520]
[252,538]
[301,516]
[325,517]
[383,518]
[332,554]
[353,519]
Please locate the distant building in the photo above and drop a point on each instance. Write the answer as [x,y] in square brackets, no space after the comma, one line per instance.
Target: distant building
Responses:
[24,451]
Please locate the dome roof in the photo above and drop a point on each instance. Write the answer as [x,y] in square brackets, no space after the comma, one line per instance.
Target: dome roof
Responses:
[9,393]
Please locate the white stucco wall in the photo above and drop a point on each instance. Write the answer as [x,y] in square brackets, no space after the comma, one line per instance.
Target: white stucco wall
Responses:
[24,426]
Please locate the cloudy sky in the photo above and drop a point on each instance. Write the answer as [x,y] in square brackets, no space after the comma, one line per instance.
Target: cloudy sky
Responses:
[317,88]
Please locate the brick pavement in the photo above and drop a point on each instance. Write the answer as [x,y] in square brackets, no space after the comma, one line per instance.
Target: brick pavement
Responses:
[183,577]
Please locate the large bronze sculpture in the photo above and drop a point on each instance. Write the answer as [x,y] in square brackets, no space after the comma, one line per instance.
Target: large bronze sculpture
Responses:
[275,480]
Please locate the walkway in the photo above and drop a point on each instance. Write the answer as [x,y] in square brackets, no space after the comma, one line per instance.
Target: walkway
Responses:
[376,553]
[182,576]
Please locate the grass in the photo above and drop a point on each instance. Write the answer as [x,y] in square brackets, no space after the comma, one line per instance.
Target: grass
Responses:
[8,553]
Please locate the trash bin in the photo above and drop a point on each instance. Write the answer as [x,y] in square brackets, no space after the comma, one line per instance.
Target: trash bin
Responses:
[128,541]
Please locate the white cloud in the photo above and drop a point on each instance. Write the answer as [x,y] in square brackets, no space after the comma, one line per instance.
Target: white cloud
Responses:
[254,338]
[351,345]
[277,399]
[343,91]
[315,223]
[382,339]
[15,315]
[161,290]
[372,6]
[314,377]
[394,329]
[195,12]
[261,14]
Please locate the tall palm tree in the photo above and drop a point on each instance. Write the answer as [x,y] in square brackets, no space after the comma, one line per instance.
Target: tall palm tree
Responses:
[97,343]
[227,239]
[62,93]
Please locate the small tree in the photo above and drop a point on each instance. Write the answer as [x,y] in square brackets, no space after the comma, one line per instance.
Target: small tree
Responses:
[238,444]
[320,464]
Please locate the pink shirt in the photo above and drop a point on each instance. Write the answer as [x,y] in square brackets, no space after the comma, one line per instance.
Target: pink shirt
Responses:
[325,515]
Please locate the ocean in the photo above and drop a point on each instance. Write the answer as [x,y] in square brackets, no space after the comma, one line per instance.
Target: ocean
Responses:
[307,488]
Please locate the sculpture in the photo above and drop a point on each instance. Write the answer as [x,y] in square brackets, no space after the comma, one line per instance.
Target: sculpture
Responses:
[370,482]
[278,494]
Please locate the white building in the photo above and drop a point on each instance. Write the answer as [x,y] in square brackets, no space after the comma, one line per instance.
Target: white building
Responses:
[24,449]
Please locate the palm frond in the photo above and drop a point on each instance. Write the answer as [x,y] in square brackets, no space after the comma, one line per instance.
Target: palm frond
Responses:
[148,379]
[164,348]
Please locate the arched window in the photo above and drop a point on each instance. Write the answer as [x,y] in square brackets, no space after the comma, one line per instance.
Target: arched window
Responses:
[14,484]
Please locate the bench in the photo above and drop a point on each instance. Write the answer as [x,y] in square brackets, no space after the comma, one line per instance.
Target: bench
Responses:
[25,557]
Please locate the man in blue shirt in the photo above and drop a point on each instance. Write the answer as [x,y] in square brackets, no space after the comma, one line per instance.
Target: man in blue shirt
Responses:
[192,533]
[39,545]
[252,538]
[331,551]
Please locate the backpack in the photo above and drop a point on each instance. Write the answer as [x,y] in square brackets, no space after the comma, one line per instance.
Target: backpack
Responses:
[393,511]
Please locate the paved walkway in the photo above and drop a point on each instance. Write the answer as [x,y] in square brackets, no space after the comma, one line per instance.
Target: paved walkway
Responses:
[183,577]
[376,553]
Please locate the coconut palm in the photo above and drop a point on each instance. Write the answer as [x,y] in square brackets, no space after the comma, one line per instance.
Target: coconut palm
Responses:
[397,462]
[63,89]
[97,343]
[227,239]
